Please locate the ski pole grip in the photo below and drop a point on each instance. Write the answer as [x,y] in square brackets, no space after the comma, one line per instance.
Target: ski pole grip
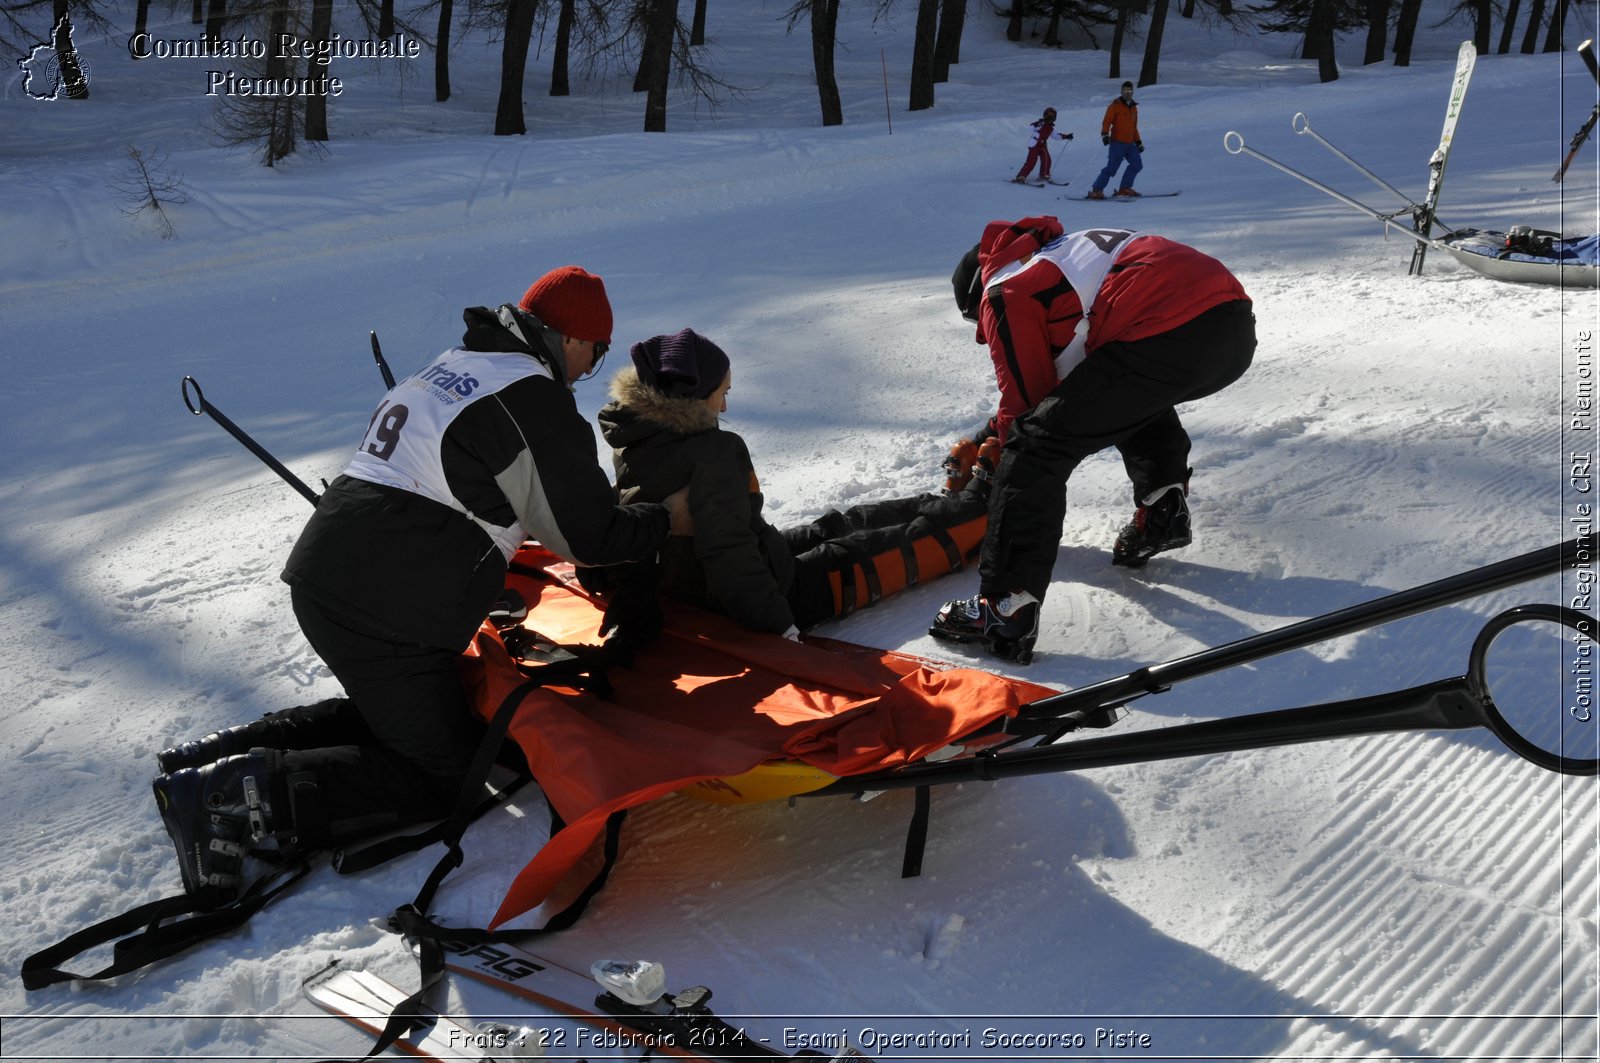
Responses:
[197,405]
[1232,142]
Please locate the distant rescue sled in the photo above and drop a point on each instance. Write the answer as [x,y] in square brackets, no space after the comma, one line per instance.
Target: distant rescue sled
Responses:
[1527,256]
[1518,255]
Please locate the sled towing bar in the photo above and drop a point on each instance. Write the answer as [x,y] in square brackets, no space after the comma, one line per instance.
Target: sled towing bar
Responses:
[1233,143]
[1447,704]
[198,405]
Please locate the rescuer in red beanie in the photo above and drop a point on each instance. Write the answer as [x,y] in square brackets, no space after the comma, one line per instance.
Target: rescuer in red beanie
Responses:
[477,451]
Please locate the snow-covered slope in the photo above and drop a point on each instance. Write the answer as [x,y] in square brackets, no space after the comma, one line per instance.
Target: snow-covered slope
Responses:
[1406,896]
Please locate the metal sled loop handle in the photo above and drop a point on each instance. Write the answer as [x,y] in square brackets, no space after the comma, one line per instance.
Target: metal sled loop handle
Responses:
[1300,123]
[197,405]
[1561,737]
[1233,142]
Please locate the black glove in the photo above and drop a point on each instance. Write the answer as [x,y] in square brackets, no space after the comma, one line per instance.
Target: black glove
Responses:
[594,580]
[1065,136]
[1140,145]
[1105,138]
[633,613]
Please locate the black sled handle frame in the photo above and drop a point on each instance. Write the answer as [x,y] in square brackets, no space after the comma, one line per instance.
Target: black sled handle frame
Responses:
[1448,704]
[198,405]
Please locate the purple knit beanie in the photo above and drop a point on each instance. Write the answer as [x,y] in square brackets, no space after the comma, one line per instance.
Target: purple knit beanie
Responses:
[683,365]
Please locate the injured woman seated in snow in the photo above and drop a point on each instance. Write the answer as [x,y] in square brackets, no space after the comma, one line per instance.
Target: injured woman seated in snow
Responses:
[663,424]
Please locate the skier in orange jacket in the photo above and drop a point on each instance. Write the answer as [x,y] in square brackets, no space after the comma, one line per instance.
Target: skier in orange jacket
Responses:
[1119,132]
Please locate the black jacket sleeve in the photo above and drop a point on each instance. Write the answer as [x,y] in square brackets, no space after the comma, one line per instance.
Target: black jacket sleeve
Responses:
[548,473]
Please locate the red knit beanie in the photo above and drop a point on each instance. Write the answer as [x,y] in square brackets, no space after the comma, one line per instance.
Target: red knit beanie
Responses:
[573,302]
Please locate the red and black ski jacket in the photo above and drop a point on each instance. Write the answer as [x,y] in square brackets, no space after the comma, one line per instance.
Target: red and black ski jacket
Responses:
[1141,285]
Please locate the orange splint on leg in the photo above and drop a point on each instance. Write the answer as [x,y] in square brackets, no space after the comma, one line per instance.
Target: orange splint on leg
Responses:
[706,702]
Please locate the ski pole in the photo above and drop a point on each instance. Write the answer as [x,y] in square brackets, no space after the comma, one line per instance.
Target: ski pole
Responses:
[383,366]
[1233,143]
[198,405]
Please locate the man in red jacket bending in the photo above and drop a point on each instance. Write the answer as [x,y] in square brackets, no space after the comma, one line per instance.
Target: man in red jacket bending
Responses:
[1096,336]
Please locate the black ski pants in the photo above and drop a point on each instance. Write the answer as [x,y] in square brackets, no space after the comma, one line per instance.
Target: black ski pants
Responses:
[871,551]
[1120,396]
[396,750]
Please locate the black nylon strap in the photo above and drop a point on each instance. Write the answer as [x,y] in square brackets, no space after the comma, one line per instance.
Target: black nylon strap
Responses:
[158,939]
[908,557]
[951,550]
[917,835]
[412,920]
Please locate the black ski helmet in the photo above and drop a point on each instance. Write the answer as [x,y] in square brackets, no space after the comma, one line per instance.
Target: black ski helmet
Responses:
[967,281]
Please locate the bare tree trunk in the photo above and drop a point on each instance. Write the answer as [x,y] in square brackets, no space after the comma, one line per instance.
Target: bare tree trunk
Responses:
[317,103]
[1014,23]
[72,78]
[947,52]
[141,19]
[1319,40]
[386,19]
[1187,11]
[1152,44]
[508,119]
[1511,24]
[197,12]
[824,33]
[559,85]
[281,138]
[697,26]
[216,18]
[656,40]
[1405,30]
[1558,17]
[1530,39]
[1377,31]
[1482,15]
[657,66]
[927,32]
[441,52]
[1118,33]
[1052,31]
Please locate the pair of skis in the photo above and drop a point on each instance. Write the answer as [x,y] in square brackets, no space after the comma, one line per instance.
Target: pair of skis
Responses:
[1466,60]
[1064,184]
[630,1008]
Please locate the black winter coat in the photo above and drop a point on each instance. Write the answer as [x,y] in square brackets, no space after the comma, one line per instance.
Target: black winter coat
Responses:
[736,563]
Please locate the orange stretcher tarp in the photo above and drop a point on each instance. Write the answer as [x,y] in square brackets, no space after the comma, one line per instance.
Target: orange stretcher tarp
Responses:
[708,700]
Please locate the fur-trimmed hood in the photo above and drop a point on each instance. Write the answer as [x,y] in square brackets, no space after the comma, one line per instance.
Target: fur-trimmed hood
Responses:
[638,410]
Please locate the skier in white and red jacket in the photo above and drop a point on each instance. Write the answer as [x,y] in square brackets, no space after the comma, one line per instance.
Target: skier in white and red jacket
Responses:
[1039,146]
[1095,337]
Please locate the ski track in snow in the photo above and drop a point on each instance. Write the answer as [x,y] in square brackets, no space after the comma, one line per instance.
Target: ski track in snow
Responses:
[1406,896]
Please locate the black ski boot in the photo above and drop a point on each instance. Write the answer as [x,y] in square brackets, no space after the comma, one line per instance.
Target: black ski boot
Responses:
[215,814]
[330,722]
[1007,628]
[213,747]
[1160,523]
